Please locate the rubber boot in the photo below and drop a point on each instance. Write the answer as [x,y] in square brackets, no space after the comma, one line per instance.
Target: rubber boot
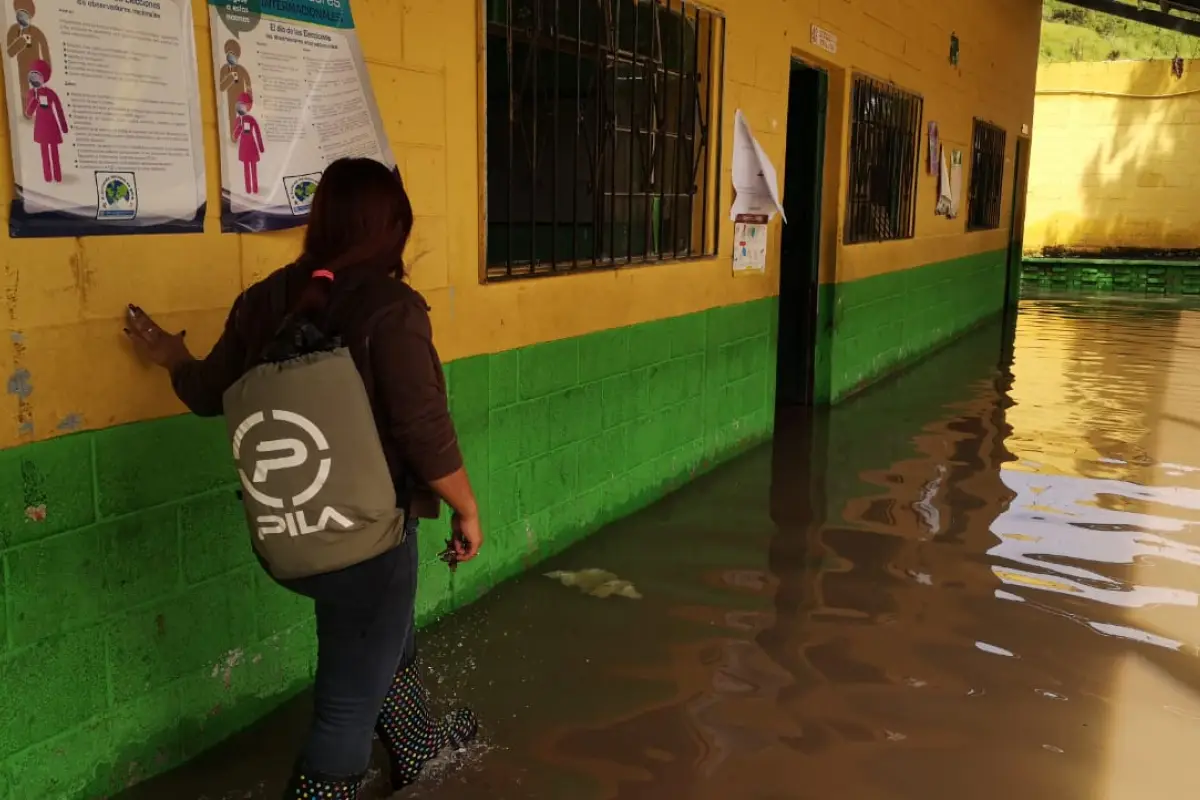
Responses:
[410,735]
[308,785]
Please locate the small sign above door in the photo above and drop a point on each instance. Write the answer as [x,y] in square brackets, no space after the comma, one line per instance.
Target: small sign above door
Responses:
[826,40]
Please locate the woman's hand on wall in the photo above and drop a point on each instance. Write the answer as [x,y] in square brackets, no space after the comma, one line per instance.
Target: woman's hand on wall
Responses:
[154,344]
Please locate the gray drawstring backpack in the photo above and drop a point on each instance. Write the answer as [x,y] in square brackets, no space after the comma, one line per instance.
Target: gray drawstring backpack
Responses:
[316,487]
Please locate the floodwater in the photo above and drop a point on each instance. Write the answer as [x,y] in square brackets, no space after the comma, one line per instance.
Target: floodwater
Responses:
[978,580]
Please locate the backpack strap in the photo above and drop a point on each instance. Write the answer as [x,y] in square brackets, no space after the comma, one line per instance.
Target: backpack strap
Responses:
[346,288]
[404,492]
[373,322]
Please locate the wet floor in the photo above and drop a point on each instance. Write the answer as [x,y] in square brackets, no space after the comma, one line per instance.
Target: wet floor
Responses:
[978,580]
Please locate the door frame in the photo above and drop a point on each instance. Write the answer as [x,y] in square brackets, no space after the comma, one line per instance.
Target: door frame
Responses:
[808,327]
[1016,233]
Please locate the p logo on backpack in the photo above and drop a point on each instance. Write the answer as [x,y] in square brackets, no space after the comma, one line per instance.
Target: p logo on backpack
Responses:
[278,455]
[316,487]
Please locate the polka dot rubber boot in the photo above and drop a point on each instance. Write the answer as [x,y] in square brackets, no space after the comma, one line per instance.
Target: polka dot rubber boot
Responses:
[410,735]
[309,786]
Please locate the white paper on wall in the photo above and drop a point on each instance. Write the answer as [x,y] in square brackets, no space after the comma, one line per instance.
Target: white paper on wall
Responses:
[935,148]
[956,182]
[944,191]
[755,182]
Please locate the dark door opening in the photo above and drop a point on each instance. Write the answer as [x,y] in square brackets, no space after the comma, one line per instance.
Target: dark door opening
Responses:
[1016,235]
[800,248]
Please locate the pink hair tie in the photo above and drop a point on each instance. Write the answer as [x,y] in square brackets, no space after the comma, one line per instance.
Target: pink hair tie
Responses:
[323,273]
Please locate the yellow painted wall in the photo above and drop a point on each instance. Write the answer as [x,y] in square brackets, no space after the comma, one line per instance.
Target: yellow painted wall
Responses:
[908,42]
[64,298]
[1116,158]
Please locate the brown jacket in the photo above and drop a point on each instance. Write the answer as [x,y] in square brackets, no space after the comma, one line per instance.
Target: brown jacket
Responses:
[396,358]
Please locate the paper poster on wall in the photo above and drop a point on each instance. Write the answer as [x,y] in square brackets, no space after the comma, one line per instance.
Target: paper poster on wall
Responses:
[956,183]
[934,149]
[945,194]
[750,243]
[292,96]
[104,117]
[755,183]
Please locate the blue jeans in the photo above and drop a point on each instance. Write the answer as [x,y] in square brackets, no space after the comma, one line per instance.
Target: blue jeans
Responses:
[365,632]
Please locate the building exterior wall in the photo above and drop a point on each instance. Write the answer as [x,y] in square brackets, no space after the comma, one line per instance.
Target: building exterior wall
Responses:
[891,302]
[135,628]
[1115,160]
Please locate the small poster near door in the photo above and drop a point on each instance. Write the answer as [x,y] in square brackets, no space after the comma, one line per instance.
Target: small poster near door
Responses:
[956,183]
[945,193]
[934,149]
[750,243]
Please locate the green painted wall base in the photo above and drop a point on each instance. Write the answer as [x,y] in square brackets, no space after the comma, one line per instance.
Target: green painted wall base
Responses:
[1110,275]
[136,629]
[881,324]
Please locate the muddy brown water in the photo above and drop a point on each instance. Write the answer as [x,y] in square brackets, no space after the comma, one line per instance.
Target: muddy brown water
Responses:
[979,579]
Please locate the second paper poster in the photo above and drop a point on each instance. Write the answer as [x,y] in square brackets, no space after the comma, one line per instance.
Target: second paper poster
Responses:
[292,96]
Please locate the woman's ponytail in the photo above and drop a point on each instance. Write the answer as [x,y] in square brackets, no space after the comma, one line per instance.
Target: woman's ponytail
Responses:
[314,298]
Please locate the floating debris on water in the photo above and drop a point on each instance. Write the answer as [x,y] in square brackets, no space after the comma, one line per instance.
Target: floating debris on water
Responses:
[995,650]
[923,578]
[596,582]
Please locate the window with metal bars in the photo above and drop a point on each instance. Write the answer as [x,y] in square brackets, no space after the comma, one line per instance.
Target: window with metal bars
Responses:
[885,125]
[987,177]
[603,129]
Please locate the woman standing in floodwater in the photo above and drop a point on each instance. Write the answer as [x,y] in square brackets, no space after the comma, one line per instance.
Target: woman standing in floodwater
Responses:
[351,277]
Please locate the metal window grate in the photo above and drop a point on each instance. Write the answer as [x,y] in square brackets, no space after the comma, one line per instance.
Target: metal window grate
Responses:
[987,177]
[885,126]
[601,116]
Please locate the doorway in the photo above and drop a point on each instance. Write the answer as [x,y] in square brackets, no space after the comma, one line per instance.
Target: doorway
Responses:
[800,247]
[1016,234]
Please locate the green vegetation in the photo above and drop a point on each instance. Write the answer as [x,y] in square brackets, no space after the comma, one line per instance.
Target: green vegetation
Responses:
[1070,33]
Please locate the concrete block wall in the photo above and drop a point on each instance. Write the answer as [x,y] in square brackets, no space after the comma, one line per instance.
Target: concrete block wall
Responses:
[64,298]
[882,323]
[137,629]
[1115,161]
[134,616]
[563,437]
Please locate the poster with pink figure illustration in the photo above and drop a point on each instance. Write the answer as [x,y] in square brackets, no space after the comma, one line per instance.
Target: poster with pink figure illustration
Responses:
[293,94]
[248,136]
[49,122]
[103,107]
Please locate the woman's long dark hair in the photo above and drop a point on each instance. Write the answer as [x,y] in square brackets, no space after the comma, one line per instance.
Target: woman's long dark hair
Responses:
[360,222]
